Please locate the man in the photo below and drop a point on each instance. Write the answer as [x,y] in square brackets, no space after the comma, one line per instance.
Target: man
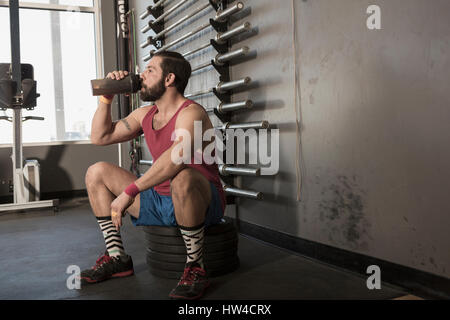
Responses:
[189,196]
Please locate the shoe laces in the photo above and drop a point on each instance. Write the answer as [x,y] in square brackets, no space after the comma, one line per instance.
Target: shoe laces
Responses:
[101,261]
[190,275]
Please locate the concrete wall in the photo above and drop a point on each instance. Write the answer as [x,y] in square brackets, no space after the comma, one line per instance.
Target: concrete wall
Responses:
[370,147]
[64,167]
[374,159]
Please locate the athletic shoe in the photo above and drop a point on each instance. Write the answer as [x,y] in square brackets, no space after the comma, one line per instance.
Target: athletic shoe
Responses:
[192,285]
[107,267]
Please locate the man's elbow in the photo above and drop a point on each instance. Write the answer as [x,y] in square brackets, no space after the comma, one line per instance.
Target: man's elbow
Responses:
[98,142]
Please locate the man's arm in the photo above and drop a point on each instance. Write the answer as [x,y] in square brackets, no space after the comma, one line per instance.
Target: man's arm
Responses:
[104,132]
[164,168]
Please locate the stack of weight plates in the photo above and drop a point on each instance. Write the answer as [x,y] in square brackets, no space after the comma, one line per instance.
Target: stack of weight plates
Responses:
[166,252]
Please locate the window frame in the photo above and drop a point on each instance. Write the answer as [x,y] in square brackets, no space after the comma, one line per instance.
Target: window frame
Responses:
[96,9]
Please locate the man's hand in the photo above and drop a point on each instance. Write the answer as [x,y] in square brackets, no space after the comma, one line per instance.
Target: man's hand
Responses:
[119,208]
[115,75]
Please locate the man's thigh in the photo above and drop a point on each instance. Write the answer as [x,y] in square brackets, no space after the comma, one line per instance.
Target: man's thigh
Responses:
[117,179]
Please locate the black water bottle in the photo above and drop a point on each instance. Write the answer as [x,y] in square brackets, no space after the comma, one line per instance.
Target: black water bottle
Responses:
[130,84]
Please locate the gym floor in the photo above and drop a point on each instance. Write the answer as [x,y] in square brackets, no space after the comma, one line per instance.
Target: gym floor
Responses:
[37,247]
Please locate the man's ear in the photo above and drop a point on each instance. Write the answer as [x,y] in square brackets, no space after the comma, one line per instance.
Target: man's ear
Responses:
[170,80]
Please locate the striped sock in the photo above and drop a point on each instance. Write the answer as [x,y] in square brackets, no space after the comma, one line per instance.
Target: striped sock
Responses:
[193,239]
[113,241]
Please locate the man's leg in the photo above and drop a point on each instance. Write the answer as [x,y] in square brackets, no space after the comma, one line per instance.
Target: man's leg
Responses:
[191,195]
[104,183]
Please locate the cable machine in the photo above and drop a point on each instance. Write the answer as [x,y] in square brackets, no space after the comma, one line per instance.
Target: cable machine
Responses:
[18,92]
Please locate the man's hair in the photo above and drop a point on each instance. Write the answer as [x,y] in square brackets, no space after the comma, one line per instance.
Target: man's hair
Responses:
[173,62]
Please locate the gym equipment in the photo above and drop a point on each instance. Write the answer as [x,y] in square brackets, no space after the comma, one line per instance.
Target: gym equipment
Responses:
[164,15]
[227,170]
[221,38]
[224,108]
[18,92]
[255,195]
[151,9]
[130,84]
[222,58]
[172,26]
[245,126]
[166,251]
[222,87]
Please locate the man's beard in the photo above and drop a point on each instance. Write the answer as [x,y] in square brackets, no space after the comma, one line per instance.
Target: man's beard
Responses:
[154,93]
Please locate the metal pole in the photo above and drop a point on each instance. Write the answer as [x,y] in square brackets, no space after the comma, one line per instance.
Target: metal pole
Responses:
[243,193]
[221,59]
[147,13]
[223,15]
[187,35]
[222,87]
[226,86]
[249,125]
[164,15]
[174,25]
[16,68]
[146,162]
[223,37]
[230,107]
[226,170]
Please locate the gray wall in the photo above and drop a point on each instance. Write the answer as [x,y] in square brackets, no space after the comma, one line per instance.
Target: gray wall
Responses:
[64,167]
[372,153]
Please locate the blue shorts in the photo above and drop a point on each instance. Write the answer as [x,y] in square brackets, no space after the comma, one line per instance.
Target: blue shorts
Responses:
[157,210]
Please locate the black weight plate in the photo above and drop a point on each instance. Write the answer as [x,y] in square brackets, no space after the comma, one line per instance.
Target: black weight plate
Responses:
[177,275]
[213,247]
[209,265]
[178,241]
[225,226]
[211,256]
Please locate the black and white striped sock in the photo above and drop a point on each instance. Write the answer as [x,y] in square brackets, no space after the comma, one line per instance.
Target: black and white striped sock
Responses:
[193,239]
[113,241]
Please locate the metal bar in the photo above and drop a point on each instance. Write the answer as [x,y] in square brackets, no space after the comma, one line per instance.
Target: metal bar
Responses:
[226,86]
[146,162]
[243,193]
[165,14]
[223,37]
[219,17]
[225,57]
[16,68]
[201,66]
[147,12]
[223,15]
[220,59]
[196,50]
[199,93]
[230,107]
[174,25]
[226,170]
[30,205]
[249,125]
[222,87]
[187,35]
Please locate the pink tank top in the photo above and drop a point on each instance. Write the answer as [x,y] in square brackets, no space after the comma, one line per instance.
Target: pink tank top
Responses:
[158,141]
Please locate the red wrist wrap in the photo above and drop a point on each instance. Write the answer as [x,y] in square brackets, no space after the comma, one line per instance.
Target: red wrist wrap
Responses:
[132,190]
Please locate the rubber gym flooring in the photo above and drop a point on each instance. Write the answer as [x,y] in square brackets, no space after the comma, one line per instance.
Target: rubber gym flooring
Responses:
[37,247]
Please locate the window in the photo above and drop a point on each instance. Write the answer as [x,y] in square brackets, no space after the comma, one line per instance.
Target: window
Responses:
[60,39]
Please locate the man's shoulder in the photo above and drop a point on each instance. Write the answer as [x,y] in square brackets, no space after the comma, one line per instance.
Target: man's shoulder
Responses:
[193,110]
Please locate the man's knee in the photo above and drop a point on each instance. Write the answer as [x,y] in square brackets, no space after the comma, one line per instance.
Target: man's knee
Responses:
[95,173]
[182,184]
[188,181]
